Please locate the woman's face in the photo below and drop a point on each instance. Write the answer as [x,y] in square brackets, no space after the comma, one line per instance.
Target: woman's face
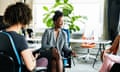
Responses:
[59,22]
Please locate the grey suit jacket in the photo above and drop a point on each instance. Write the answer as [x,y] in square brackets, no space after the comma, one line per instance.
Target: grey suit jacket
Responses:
[61,43]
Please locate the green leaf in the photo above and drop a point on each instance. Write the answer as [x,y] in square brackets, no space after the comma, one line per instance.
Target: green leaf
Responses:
[52,12]
[45,8]
[67,9]
[49,22]
[77,28]
[74,18]
[55,5]
[65,1]
[46,18]
[47,15]
[68,6]
[57,1]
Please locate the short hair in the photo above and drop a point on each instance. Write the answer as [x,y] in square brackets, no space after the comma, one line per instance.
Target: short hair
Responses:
[57,15]
[17,13]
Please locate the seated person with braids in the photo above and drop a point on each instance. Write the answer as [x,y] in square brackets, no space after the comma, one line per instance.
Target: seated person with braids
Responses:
[55,39]
[111,57]
[16,17]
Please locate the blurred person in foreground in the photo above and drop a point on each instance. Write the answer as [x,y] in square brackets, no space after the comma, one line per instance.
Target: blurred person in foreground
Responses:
[16,17]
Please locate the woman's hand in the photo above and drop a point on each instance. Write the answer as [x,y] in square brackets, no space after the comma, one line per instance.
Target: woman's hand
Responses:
[36,55]
[74,54]
[105,51]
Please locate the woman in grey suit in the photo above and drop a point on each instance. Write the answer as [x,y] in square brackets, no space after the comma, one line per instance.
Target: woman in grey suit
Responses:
[56,40]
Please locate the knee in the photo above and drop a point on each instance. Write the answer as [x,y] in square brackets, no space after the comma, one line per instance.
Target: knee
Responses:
[55,54]
[53,62]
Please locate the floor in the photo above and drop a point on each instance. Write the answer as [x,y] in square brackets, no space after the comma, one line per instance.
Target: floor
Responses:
[85,66]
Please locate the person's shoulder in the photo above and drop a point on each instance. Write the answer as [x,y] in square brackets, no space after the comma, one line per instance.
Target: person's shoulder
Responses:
[15,34]
[49,29]
[17,37]
[64,31]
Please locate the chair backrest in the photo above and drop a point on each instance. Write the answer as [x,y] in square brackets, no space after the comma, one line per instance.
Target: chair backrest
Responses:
[68,59]
[6,63]
[7,52]
[68,35]
[89,44]
[10,61]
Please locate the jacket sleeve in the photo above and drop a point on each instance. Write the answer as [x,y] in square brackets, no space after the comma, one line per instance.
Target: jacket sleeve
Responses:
[45,39]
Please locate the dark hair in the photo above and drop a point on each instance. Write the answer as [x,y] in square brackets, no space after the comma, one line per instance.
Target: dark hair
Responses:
[17,13]
[2,25]
[57,15]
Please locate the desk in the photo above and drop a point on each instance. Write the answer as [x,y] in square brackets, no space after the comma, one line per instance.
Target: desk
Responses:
[92,41]
[100,42]
[34,40]
[34,43]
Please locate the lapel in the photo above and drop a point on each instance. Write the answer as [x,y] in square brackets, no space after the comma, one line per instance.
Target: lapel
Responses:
[53,36]
[58,40]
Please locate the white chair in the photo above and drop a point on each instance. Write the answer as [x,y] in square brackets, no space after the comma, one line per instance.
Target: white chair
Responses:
[87,46]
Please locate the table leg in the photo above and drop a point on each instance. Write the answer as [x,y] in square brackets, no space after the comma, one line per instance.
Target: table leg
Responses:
[99,50]
[103,47]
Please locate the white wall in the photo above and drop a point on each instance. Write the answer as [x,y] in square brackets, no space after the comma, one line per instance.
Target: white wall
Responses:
[5,3]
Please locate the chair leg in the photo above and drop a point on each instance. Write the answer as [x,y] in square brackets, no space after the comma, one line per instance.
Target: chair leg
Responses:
[87,56]
[64,69]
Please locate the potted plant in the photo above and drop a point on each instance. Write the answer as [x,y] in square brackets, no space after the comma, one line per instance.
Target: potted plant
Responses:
[69,17]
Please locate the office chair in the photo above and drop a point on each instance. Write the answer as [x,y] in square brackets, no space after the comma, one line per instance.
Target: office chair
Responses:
[88,46]
[7,51]
[10,61]
[30,32]
[67,57]
[7,63]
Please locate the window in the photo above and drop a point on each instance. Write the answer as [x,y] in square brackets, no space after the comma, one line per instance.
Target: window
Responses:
[93,9]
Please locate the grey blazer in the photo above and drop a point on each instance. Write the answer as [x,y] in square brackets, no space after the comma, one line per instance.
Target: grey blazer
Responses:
[61,43]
